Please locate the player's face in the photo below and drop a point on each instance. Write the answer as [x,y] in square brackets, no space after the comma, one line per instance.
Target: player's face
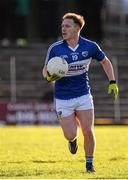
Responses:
[69,29]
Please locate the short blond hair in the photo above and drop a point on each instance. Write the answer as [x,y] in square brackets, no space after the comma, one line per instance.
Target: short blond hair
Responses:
[78,19]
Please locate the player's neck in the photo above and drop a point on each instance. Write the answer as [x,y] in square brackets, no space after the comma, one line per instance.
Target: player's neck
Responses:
[73,42]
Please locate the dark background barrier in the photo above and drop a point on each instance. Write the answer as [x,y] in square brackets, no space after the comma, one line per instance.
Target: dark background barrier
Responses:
[28,27]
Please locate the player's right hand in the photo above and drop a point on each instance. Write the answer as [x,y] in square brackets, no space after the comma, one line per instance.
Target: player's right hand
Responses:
[51,78]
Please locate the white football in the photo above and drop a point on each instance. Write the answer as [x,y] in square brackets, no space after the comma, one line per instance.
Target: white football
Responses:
[57,66]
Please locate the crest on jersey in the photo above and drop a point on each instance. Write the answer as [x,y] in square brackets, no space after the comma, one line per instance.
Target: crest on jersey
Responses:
[85,53]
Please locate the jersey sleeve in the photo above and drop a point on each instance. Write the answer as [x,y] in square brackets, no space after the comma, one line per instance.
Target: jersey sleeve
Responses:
[49,55]
[98,54]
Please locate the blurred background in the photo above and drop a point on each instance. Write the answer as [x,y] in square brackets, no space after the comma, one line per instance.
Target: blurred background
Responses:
[28,27]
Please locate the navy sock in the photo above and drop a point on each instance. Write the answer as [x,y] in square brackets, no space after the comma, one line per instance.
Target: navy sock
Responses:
[89,161]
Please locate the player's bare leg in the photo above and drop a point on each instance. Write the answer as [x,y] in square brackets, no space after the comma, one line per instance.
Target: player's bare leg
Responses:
[69,127]
[86,119]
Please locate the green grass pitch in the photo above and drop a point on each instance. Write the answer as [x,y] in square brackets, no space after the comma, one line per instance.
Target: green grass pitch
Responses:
[40,152]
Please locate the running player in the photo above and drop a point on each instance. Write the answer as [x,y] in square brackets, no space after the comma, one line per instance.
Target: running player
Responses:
[73,98]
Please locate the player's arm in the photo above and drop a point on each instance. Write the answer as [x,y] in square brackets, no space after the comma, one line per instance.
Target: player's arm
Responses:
[44,71]
[47,76]
[108,68]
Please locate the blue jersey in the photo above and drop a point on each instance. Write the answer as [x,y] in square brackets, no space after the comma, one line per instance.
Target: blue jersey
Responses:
[76,81]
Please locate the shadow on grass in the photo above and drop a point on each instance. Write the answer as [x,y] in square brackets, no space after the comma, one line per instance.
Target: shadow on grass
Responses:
[41,161]
[15,162]
[52,161]
[117,158]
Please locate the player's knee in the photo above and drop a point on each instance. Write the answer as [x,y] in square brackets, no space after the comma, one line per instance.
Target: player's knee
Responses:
[88,131]
[70,136]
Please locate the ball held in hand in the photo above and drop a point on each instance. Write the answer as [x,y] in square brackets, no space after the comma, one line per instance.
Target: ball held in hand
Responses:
[57,66]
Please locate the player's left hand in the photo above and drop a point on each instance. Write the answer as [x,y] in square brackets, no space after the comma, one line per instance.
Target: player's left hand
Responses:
[113,88]
[51,78]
